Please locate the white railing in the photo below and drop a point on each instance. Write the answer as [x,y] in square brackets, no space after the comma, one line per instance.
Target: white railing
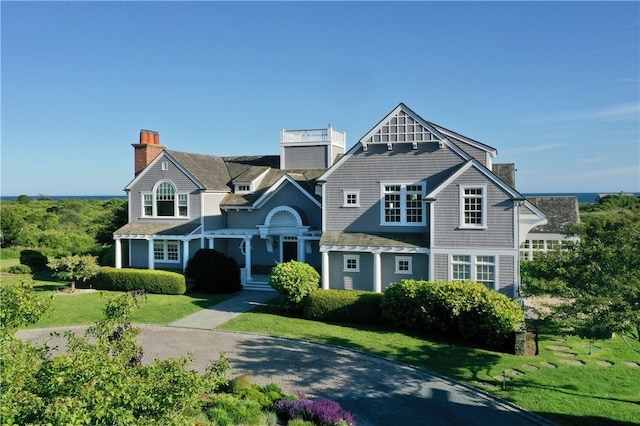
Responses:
[312,135]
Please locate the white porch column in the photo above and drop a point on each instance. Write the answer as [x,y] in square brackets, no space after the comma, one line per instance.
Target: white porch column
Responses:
[185,254]
[301,249]
[118,254]
[377,273]
[247,257]
[211,242]
[325,270]
[150,256]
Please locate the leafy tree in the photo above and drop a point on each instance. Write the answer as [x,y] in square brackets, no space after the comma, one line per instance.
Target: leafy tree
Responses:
[75,268]
[99,379]
[599,278]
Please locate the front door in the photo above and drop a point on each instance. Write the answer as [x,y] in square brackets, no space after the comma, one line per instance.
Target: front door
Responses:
[289,249]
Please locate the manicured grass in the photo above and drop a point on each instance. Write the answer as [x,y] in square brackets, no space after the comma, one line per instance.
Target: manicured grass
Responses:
[588,394]
[87,307]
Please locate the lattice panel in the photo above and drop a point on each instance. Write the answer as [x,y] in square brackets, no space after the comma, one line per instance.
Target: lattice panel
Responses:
[401,128]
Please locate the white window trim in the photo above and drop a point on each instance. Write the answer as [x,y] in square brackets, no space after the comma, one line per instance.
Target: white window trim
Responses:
[154,204]
[165,251]
[483,207]
[348,257]
[403,203]
[345,195]
[473,269]
[399,259]
[165,165]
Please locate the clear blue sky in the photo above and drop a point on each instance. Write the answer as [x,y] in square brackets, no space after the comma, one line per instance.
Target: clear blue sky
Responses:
[553,86]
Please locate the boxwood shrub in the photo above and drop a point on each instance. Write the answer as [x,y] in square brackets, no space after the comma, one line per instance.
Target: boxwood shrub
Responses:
[344,306]
[151,281]
[465,309]
[294,281]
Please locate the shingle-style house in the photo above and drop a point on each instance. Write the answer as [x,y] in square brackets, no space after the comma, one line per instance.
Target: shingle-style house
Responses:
[411,199]
[561,211]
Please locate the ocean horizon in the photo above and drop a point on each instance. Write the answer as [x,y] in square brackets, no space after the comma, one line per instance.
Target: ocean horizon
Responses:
[583,197]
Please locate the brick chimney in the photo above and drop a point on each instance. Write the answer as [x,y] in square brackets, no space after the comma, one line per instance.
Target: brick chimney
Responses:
[148,149]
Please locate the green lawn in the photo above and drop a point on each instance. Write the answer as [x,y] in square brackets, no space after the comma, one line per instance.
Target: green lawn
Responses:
[588,394]
[87,307]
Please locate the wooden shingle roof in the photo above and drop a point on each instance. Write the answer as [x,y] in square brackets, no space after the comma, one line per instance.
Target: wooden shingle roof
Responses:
[561,211]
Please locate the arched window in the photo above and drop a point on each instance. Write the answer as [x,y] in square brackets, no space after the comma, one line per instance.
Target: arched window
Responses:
[165,199]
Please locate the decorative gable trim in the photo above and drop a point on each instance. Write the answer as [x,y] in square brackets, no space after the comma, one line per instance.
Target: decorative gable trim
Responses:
[277,186]
[164,156]
[402,125]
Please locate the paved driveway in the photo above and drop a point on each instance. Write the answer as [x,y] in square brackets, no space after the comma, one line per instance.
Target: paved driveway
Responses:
[376,391]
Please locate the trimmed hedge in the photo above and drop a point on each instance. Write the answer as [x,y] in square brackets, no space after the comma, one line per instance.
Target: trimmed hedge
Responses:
[465,309]
[151,281]
[345,306]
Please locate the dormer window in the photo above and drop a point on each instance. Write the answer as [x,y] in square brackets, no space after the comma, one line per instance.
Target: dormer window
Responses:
[243,189]
[165,201]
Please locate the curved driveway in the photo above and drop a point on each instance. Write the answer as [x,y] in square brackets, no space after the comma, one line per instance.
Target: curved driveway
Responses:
[375,390]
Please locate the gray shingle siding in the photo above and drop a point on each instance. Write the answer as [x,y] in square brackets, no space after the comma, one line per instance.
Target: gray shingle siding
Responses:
[506,274]
[366,170]
[500,226]
[152,176]
[306,157]
[440,267]
[362,280]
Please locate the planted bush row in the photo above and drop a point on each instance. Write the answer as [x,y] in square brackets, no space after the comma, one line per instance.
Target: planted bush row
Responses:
[465,309]
[151,281]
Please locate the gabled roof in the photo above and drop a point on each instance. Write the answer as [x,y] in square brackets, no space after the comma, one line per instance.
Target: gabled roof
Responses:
[210,170]
[402,125]
[416,130]
[303,180]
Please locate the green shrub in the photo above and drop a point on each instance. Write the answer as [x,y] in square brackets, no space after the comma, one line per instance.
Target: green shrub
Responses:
[213,272]
[151,281]
[346,306]
[294,281]
[464,309]
[228,410]
[19,269]
[34,259]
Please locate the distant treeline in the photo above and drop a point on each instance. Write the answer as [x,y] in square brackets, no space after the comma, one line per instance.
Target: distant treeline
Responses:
[61,227]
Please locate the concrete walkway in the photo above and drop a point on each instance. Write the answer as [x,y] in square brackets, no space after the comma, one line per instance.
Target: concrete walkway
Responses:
[213,316]
[377,391]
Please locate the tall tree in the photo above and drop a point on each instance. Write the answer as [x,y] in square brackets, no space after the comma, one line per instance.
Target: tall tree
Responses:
[599,278]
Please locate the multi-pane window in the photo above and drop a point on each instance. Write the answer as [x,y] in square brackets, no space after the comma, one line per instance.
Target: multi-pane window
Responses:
[404,265]
[165,197]
[351,199]
[182,205]
[403,204]
[473,214]
[485,271]
[461,268]
[392,198]
[166,251]
[165,201]
[148,204]
[351,263]
[477,268]
[537,244]
[414,203]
